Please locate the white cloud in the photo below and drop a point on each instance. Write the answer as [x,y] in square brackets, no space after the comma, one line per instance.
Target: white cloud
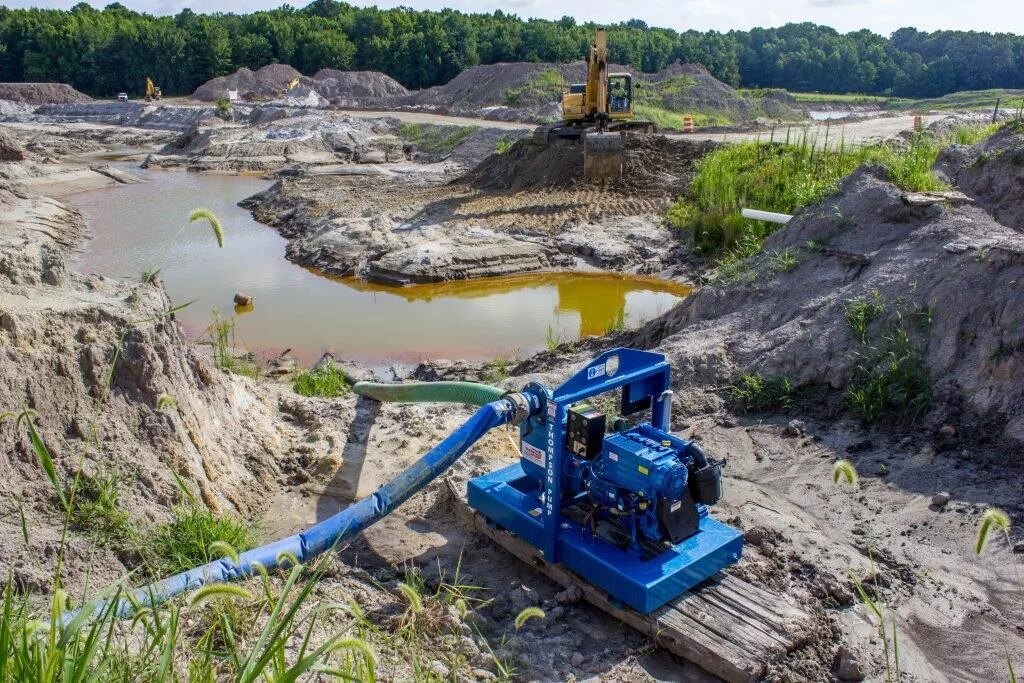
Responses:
[881,16]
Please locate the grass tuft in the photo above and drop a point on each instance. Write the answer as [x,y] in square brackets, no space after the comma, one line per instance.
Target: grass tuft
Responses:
[220,591]
[166,402]
[891,381]
[188,539]
[758,393]
[327,381]
[412,596]
[860,313]
[618,323]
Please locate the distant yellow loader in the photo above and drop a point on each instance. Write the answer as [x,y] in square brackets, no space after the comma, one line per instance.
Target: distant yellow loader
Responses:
[152,92]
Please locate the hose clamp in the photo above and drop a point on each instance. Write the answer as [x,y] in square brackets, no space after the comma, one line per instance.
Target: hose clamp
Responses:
[521,405]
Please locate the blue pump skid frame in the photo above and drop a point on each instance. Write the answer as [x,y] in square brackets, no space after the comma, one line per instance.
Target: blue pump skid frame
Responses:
[515,501]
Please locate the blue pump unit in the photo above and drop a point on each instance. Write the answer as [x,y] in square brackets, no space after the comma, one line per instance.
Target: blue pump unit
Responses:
[625,508]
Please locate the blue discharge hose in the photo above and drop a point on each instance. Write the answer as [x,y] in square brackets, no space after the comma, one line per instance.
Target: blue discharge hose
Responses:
[339,527]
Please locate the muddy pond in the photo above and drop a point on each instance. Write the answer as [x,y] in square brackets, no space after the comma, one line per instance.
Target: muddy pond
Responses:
[136,228]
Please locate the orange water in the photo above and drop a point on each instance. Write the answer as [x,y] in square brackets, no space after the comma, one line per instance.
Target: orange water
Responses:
[139,227]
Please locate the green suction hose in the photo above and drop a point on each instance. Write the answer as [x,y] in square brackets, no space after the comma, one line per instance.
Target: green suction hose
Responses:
[470,393]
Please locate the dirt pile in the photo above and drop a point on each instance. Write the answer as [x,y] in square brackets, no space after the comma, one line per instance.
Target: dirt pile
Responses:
[653,165]
[41,93]
[992,172]
[691,89]
[269,82]
[357,85]
[875,278]
[523,210]
[265,84]
[10,147]
[60,334]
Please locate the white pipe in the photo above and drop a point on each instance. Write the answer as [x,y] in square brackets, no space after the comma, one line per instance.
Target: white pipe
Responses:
[766,216]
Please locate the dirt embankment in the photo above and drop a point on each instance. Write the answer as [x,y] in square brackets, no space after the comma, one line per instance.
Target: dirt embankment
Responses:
[269,138]
[61,159]
[507,91]
[992,173]
[41,93]
[61,334]
[526,209]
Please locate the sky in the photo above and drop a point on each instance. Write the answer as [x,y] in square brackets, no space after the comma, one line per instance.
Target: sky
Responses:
[881,16]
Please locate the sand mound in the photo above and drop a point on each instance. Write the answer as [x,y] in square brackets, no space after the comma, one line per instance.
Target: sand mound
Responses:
[653,166]
[950,278]
[42,93]
[514,84]
[992,172]
[331,83]
[264,84]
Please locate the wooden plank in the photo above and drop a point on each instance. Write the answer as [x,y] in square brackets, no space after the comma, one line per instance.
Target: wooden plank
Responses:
[726,626]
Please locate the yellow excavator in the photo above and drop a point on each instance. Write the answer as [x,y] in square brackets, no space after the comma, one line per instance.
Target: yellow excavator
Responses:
[292,84]
[601,112]
[152,92]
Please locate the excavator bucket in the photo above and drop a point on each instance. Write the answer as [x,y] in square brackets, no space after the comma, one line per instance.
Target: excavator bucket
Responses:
[602,157]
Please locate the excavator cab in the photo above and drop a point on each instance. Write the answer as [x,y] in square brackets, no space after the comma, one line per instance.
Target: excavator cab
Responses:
[620,96]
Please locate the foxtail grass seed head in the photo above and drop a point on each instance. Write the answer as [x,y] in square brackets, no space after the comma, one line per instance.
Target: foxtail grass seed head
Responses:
[993,517]
[289,557]
[527,614]
[211,218]
[412,596]
[223,549]
[844,469]
[220,591]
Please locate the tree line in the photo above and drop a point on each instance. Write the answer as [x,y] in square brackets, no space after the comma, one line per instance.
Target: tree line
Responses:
[102,52]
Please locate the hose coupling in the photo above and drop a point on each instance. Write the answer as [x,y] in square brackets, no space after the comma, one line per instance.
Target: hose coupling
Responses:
[521,405]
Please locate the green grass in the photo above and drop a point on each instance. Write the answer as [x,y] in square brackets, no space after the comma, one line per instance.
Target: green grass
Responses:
[327,381]
[786,173]
[666,119]
[860,313]
[184,542]
[773,177]
[544,86]
[618,323]
[966,100]
[97,511]
[782,260]
[497,370]
[221,336]
[503,144]
[890,380]
[433,139]
[845,98]
[759,393]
